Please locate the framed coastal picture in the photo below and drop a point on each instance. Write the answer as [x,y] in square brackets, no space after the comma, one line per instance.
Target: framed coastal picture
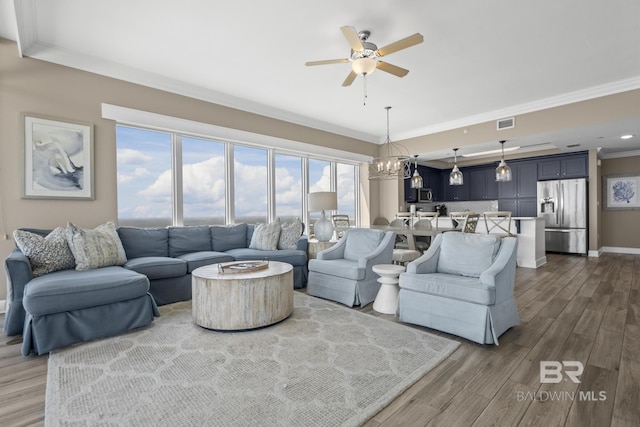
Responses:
[621,192]
[57,158]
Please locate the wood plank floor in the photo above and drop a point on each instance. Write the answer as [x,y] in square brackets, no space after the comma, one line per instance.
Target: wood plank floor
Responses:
[572,308]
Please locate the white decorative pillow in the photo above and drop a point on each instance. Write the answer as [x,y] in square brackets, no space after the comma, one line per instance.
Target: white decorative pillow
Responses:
[290,234]
[100,247]
[46,254]
[265,236]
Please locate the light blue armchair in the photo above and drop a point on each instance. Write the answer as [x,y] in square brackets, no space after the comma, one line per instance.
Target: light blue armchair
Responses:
[462,285]
[343,273]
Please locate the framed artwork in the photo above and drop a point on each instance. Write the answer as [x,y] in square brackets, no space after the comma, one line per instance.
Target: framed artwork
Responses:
[621,192]
[57,159]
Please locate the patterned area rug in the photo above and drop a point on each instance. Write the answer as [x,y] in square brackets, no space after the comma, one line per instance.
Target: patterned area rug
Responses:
[324,365]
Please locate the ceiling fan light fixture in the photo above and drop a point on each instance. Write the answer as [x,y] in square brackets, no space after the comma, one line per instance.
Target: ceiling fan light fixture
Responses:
[503,171]
[364,66]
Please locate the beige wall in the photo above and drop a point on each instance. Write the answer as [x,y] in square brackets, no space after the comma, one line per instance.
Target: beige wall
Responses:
[28,85]
[619,228]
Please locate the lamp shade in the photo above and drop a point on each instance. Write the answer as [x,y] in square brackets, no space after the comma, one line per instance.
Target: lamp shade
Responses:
[364,65]
[323,201]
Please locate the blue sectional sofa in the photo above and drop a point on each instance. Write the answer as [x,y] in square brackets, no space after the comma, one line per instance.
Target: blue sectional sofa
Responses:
[68,306]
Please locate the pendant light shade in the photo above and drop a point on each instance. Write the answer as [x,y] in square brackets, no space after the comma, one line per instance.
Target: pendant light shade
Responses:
[503,171]
[455,177]
[416,179]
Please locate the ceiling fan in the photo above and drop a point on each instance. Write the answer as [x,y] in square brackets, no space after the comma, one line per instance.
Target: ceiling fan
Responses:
[364,55]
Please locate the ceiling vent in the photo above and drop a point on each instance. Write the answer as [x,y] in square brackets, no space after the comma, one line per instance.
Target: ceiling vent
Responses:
[506,123]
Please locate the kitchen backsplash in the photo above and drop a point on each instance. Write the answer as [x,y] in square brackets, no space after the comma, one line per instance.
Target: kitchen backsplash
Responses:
[475,206]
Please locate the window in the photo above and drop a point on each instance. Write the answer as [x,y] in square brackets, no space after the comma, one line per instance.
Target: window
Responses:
[288,186]
[167,178]
[250,184]
[203,182]
[346,187]
[144,177]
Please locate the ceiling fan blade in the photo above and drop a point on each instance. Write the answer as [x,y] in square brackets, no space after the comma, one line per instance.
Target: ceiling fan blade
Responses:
[401,44]
[350,78]
[327,61]
[352,37]
[392,69]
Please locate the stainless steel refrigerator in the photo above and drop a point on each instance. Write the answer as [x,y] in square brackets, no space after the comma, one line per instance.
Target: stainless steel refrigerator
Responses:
[563,205]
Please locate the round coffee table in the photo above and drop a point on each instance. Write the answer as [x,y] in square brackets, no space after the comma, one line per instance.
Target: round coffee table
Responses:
[387,299]
[238,301]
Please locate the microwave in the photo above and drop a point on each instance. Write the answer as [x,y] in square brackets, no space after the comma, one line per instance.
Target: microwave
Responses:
[424,195]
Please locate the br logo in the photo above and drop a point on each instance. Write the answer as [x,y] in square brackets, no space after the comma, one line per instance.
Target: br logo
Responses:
[551,371]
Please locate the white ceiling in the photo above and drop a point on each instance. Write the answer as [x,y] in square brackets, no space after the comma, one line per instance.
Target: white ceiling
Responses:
[480,60]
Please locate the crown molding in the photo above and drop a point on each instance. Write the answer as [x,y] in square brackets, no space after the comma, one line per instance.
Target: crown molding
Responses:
[529,107]
[618,155]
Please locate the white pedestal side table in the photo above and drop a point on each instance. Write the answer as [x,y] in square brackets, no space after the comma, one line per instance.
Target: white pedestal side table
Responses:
[387,299]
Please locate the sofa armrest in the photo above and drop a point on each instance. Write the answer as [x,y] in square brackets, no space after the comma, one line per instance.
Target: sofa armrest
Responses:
[19,273]
[428,262]
[303,243]
[502,273]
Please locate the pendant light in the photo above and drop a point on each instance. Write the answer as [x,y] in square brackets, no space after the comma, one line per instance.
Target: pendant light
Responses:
[503,172]
[416,179]
[455,177]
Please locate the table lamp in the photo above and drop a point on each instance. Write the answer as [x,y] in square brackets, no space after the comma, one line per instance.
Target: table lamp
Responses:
[323,201]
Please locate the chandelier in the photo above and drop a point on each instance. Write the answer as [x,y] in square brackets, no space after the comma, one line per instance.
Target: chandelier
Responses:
[390,167]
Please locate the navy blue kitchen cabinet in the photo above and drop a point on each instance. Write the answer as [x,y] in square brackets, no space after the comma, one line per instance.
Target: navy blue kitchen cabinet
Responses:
[570,166]
[455,193]
[482,183]
[521,207]
[524,182]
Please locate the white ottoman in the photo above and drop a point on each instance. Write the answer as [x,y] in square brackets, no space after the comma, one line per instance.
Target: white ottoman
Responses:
[387,299]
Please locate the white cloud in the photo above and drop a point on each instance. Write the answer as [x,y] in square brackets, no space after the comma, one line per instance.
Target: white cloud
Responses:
[132,157]
[137,173]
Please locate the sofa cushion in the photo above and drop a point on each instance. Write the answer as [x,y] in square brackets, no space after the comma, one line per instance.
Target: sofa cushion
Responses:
[462,288]
[225,237]
[72,290]
[290,233]
[158,267]
[144,242]
[184,240]
[100,247]
[198,259]
[292,256]
[265,236]
[361,242]
[467,254]
[338,267]
[46,254]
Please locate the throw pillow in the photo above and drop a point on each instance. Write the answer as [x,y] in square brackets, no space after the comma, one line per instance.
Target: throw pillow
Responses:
[46,254]
[265,236]
[100,247]
[290,232]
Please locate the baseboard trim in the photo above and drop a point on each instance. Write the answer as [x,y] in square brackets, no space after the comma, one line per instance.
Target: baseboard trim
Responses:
[595,254]
[617,250]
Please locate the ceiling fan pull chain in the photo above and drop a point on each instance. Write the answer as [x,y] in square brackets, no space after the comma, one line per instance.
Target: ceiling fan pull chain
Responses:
[364,79]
